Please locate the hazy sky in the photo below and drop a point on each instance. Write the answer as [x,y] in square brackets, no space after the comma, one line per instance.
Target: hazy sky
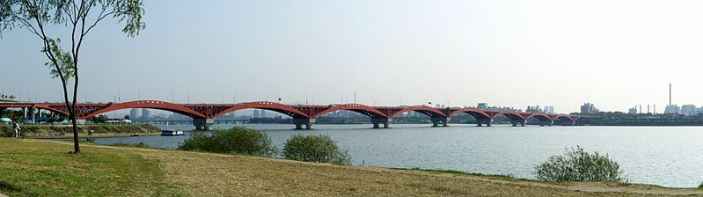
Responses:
[504,52]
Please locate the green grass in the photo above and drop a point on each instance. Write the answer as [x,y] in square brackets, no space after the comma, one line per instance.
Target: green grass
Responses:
[46,169]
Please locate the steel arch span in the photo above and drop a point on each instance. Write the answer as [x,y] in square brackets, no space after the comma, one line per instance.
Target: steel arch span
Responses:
[565,119]
[515,116]
[476,113]
[359,108]
[541,117]
[265,105]
[423,109]
[56,108]
[149,104]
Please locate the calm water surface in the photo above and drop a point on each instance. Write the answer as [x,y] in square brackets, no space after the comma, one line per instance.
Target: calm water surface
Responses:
[669,156]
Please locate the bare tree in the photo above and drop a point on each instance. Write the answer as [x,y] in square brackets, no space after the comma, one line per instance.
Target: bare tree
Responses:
[79,18]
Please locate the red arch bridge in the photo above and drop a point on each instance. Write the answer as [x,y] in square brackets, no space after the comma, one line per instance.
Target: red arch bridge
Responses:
[303,115]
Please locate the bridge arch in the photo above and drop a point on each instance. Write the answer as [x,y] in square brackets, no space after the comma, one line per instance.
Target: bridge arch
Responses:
[540,116]
[148,104]
[44,106]
[476,113]
[514,116]
[428,111]
[565,119]
[358,108]
[265,105]
[54,109]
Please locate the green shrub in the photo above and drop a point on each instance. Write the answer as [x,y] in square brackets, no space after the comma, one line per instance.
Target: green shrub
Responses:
[315,148]
[6,131]
[579,165]
[700,186]
[138,145]
[234,141]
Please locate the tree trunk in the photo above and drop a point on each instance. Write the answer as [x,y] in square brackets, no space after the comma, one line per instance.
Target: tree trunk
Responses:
[76,146]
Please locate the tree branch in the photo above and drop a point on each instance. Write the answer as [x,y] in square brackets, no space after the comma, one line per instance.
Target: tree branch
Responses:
[103,14]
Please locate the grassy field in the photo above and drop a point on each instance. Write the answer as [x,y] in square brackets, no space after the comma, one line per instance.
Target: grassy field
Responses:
[41,168]
[46,169]
[65,131]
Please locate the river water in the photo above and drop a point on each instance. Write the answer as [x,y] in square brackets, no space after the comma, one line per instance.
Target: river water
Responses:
[668,156]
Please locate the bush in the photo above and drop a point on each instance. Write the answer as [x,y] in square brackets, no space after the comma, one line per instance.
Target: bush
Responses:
[315,148]
[233,141]
[700,186]
[6,131]
[138,145]
[579,165]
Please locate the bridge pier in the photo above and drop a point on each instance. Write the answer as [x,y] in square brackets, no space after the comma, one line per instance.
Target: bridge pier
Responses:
[546,123]
[439,121]
[202,124]
[300,122]
[486,121]
[378,121]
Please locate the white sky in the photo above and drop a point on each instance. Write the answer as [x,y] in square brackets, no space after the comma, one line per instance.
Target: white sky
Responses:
[615,54]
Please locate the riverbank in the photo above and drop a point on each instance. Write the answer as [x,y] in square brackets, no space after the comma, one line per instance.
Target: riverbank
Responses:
[43,168]
[98,130]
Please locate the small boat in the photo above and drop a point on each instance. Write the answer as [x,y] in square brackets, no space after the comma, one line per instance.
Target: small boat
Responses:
[166,132]
[171,133]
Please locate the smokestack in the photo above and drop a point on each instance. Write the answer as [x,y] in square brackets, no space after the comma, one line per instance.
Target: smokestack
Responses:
[670,94]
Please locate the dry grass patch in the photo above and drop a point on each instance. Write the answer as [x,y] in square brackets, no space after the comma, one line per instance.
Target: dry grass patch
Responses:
[230,175]
[208,174]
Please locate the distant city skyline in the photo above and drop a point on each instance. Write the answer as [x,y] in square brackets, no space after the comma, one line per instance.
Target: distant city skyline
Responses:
[506,53]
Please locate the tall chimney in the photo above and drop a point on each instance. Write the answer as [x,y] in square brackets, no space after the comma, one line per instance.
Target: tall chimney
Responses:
[669,93]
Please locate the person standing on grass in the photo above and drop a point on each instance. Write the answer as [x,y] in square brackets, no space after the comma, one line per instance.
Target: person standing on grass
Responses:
[16,127]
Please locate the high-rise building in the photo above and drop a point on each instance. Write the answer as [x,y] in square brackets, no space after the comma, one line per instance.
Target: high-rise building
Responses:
[588,108]
[632,110]
[146,114]
[535,108]
[257,114]
[672,109]
[133,114]
[549,109]
[689,110]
